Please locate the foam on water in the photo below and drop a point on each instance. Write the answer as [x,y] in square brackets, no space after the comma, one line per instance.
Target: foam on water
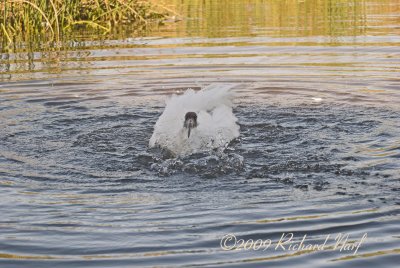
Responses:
[216,122]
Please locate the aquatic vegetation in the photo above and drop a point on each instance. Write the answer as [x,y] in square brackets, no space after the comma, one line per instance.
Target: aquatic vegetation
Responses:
[54,20]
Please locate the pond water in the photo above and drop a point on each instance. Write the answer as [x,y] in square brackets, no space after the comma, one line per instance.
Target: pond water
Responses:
[317,98]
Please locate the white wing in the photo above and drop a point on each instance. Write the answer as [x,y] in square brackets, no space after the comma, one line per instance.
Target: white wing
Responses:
[216,121]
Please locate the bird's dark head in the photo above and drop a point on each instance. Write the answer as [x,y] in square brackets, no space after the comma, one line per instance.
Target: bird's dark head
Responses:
[190,121]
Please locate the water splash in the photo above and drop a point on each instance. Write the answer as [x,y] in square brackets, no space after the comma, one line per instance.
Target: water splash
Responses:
[216,122]
[206,164]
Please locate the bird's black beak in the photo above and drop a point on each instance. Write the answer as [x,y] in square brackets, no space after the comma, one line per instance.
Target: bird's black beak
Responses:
[190,125]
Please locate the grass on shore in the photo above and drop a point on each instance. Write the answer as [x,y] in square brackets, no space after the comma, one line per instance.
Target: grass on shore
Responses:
[52,20]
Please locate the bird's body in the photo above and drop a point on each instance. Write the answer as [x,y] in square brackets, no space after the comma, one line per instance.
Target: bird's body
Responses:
[196,121]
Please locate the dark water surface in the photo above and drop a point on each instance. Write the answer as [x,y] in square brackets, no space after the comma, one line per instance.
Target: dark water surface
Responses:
[318,153]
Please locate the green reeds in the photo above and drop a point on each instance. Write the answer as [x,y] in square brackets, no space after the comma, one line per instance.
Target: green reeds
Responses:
[51,20]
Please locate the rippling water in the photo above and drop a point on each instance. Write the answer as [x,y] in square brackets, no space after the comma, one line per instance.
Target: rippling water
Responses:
[318,152]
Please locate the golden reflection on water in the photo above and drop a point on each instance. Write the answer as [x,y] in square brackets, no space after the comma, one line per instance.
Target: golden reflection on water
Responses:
[300,18]
[287,23]
[370,254]
[311,217]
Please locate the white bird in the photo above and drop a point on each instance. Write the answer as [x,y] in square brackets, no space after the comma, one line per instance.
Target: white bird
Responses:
[196,121]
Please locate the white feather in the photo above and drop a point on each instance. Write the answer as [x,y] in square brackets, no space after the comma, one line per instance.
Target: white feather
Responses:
[216,122]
